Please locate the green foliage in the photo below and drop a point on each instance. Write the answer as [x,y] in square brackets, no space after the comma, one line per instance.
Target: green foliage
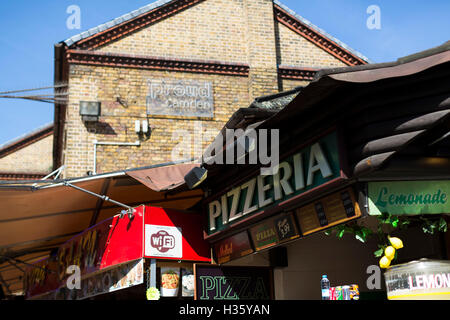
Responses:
[360,233]
[379,253]
[429,224]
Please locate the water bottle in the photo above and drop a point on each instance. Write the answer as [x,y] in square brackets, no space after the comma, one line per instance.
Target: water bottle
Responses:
[325,285]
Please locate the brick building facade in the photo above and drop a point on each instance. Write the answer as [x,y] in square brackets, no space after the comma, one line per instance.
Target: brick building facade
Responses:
[239,49]
[29,156]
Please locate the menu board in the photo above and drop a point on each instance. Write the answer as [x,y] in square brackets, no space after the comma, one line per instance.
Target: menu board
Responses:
[273,231]
[334,209]
[214,282]
[233,247]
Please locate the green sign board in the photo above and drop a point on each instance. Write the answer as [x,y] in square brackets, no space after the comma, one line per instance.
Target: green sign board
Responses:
[218,282]
[311,167]
[409,197]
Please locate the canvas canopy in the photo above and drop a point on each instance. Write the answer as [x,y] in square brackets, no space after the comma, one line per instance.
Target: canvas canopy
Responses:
[38,216]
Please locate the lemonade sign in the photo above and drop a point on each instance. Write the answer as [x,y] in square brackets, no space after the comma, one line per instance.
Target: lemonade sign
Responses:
[409,197]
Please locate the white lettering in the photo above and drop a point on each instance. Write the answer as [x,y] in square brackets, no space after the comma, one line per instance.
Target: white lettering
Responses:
[298,172]
[283,183]
[214,212]
[374,281]
[263,146]
[373,21]
[224,201]
[262,188]
[182,150]
[446,280]
[73,281]
[249,197]
[235,193]
[419,282]
[317,156]
[74,20]
[428,282]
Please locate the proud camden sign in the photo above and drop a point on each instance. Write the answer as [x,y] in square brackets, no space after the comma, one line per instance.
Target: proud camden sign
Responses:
[184,98]
[311,167]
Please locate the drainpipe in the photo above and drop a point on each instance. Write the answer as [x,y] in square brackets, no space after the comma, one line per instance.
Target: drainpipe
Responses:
[106,143]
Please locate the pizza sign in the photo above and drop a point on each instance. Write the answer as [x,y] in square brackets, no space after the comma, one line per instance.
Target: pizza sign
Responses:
[163,241]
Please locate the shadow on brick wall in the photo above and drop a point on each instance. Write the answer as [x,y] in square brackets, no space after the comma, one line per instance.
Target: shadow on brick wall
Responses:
[100,128]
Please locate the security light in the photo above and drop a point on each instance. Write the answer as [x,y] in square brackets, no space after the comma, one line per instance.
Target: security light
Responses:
[89,111]
[195,177]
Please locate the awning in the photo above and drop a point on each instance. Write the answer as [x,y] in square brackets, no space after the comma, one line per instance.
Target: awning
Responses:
[164,178]
[389,114]
[34,219]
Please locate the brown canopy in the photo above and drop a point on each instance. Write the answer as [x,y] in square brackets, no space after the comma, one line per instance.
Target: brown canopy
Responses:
[36,219]
[163,178]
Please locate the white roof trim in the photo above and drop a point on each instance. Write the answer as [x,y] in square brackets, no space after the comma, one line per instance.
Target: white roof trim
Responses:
[116,21]
[321,31]
[160,3]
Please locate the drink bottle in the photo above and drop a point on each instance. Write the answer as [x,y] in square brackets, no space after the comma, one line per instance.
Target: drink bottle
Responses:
[325,285]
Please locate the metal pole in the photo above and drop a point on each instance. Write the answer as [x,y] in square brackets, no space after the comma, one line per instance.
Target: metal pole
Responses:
[95,158]
[25,263]
[130,210]
[153,273]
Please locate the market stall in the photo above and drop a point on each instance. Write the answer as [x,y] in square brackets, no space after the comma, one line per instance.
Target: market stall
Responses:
[39,216]
[363,152]
[153,245]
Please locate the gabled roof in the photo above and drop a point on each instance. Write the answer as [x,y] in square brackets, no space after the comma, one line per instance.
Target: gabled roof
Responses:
[155,11]
[115,22]
[129,22]
[321,31]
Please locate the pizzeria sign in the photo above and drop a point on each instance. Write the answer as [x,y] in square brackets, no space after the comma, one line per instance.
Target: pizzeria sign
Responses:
[313,166]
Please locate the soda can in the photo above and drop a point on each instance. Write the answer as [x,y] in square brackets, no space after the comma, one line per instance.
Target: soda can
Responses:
[338,293]
[332,293]
[346,293]
[354,292]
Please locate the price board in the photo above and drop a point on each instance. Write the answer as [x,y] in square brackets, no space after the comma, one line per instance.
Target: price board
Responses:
[273,231]
[329,211]
[233,247]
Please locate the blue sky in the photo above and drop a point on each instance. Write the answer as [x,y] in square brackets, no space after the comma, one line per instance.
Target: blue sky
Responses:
[31,28]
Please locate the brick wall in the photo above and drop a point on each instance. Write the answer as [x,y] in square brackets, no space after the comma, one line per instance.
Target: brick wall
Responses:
[34,158]
[260,37]
[225,31]
[300,52]
[291,84]
[210,30]
[116,123]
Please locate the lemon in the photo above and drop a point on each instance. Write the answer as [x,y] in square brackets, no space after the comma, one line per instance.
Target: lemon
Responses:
[396,242]
[384,262]
[389,252]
